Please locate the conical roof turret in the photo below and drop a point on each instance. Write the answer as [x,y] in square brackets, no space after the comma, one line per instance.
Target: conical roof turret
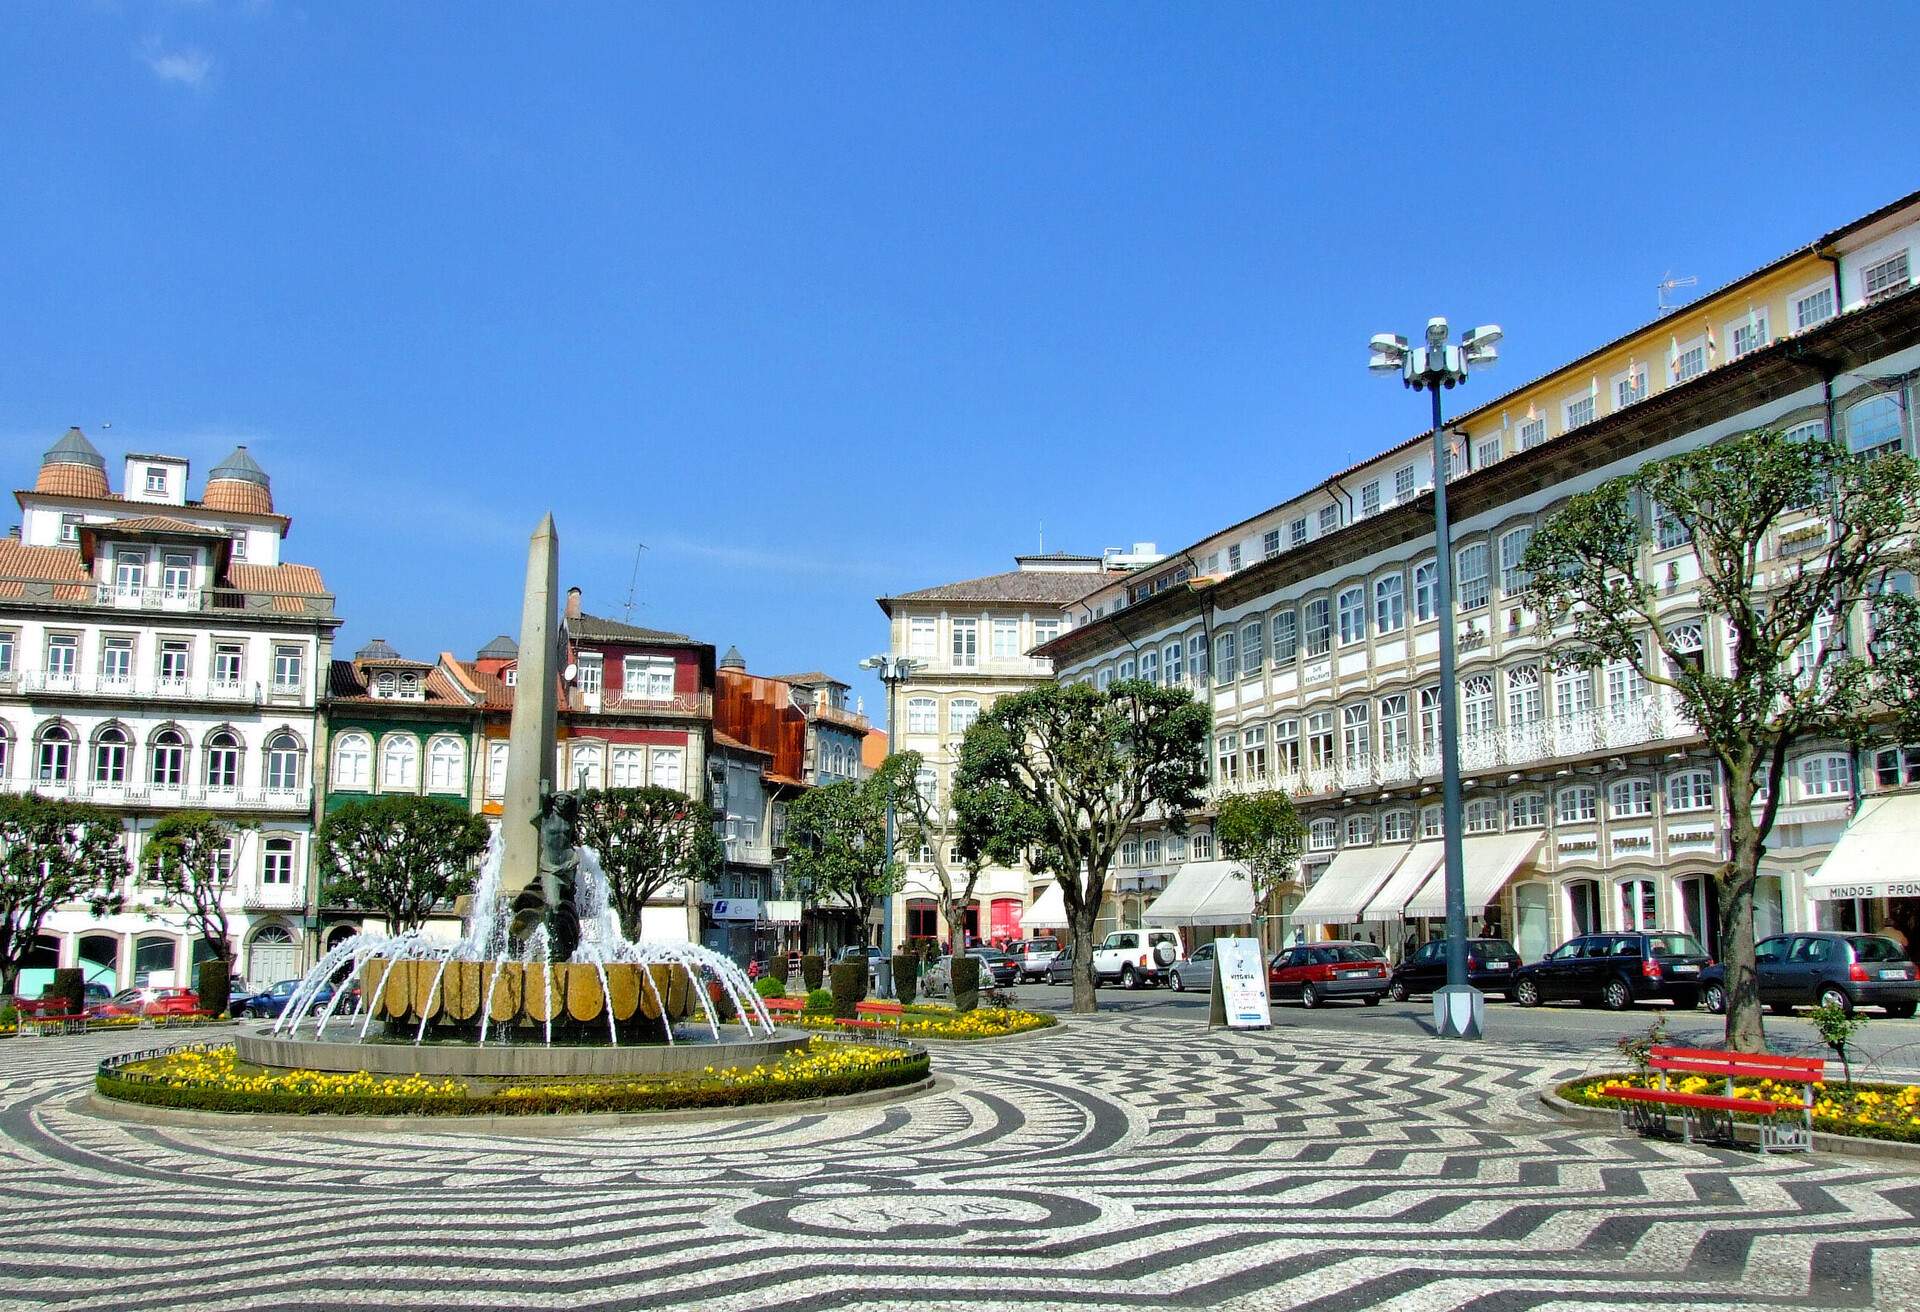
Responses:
[238,483]
[733,660]
[71,467]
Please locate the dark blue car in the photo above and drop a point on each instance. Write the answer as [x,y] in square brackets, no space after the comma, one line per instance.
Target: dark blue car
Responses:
[269,1003]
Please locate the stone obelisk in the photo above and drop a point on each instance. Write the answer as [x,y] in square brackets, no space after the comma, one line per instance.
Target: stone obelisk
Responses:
[530,736]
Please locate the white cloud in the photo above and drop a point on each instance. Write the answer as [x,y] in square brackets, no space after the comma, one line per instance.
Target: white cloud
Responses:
[185,65]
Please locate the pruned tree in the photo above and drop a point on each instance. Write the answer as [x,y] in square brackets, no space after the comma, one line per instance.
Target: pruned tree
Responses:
[1066,771]
[837,847]
[189,861]
[647,839]
[399,857]
[51,852]
[1263,832]
[1798,544]
[955,826]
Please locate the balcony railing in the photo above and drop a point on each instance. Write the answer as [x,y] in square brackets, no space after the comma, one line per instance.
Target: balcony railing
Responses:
[681,703]
[159,797]
[110,596]
[233,692]
[274,897]
[1514,747]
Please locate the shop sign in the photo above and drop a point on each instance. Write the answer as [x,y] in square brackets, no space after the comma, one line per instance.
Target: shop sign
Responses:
[1239,985]
[736,908]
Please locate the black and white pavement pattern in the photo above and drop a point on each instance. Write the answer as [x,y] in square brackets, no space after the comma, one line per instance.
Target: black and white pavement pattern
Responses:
[1115,1163]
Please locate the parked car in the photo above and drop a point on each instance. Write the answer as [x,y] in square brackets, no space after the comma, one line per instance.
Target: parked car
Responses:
[1195,972]
[148,1002]
[1616,971]
[1035,955]
[874,956]
[997,970]
[270,1003]
[1060,966]
[1135,957]
[1321,972]
[1831,969]
[48,1005]
[1492,966]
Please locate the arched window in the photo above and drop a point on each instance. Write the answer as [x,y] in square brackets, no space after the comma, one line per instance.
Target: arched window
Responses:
[283,763]
[6,751]
[1826,775]
[497,769]
[410,686]
[55,764]
[276,862]
[400,762]
[383,685]
[1690,790]
[1874,426]
[352,760]
[1630,797]
[1359,830]
[447,766]
[167,759]
[923,713]
[1253,647]
[1149,666]
[1390,603]
[1323,835]
[1526,811]
[1575,805]
[110,747]
[1352,606]
[961,713]
[586,771]
[1431,822]
[1476,706]
[223,760]
[1396,827]
[1483,816]
[1524,705]
[1356,735]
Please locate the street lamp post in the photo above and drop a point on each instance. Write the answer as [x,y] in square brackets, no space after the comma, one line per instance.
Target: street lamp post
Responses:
[1458,1009]
[893,671]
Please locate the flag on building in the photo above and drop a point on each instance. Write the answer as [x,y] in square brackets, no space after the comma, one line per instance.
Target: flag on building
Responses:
[1673,359]
[1713,345]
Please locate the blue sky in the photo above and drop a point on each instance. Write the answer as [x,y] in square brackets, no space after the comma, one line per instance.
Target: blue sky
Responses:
[823,302]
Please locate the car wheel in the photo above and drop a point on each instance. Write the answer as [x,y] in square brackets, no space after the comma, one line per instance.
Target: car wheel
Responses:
[1372,999]
[1618,995]
[1900,1010]
[1397,990]
[1716,1000]
[1309,996]
[1686,1001]
[1528,993]
[1127,979]
[248,1013]
[1835,996]
[1174,982]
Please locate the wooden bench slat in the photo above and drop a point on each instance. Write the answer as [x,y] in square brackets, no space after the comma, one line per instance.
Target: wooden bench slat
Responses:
[1667,1097]
[1815,1064]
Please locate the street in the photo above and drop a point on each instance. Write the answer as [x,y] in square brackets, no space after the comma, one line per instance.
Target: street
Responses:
[1883,1047]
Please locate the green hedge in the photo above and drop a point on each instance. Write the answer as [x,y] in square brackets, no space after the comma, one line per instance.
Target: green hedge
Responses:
[913,1068]
[966,983]
[215,987]
[818,1003]
[1902,1131]
[769,987]
[780,967]
[70,986]
[906,977]
[813,969]
[849,986]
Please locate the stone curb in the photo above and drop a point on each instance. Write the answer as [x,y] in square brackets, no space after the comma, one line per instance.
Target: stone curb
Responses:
[1840,1145]
[531,1126]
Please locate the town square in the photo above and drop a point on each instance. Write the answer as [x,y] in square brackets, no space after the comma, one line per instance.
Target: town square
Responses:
[1012,657]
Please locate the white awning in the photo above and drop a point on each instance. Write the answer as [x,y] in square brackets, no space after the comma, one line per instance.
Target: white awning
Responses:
[1348,884]
[1878,854]
[1489,863]
[1390,903]
[1049,910]
[1205,893]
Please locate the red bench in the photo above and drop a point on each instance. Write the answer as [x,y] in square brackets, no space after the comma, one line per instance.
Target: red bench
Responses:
[785,1006]
[879,1008]
[1783,1126]
[43,1025]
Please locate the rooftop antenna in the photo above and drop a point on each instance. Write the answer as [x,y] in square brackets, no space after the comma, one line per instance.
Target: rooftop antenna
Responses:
[633,583]
[1668,284]
[1043,537]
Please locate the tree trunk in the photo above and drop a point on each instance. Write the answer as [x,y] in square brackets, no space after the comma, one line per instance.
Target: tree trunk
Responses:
[1080,926]
[1746,1030]
[9,981]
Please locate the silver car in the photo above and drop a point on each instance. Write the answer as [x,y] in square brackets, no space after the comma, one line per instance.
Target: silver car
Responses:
[1195,972]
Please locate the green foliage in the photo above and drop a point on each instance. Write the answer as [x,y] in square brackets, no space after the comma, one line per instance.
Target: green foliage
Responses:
[819,1003]
[214,985]
[849,986]
[906,977]
[190,864]
[813,969]
[70,986]
[837,845]
[966,983]
[1793,666]
[1065,771]
[769,987]
[399,856]
[647,839]
[51,852]
[1638,1048]
[1263,832]
[1836,1028]
[780,967]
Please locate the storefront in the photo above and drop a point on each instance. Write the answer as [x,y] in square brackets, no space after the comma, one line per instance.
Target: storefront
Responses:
[1870,882]
[1204,900]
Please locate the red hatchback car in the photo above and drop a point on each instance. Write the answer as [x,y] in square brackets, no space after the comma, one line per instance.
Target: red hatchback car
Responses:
[1319,972]
[148,1002]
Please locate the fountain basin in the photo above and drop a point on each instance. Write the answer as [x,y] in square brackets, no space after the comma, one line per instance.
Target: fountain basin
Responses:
[511,992]
[515,1061]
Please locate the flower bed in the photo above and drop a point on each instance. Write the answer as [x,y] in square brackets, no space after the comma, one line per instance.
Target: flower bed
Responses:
[214,1079]
[924,1021]
[1867,1111]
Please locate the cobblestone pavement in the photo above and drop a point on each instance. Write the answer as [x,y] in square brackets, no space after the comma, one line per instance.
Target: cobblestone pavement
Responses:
[1118,1162]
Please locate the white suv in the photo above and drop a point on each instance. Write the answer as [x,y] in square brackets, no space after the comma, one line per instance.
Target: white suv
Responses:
[1136,957]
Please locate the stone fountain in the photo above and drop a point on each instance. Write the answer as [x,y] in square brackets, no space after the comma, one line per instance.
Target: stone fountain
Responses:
[543,981]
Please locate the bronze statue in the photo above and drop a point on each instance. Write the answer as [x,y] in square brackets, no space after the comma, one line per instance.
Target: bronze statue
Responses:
[549,900]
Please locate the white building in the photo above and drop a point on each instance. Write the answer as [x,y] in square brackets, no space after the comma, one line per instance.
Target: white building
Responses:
[970,644]
[1590,803]
[156,654]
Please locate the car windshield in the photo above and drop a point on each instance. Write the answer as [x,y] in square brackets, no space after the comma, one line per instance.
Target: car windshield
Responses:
[1354,952]
[1877,949]
[1674,945]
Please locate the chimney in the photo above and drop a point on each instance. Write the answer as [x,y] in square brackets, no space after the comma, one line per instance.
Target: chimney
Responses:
[573,603]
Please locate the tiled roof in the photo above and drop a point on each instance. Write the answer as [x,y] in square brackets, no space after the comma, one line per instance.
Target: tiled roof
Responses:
[728,741]
[75,480]
[19,562]
[598,627]
[300,580]
[156,524]
[494,693]
[378,649]
[810,678]
[74,449]
[501,648]
[1055,587]
[345,684]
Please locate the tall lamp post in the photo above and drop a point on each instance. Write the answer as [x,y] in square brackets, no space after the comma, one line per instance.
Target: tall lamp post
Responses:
[1459,1009]
[893,671]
